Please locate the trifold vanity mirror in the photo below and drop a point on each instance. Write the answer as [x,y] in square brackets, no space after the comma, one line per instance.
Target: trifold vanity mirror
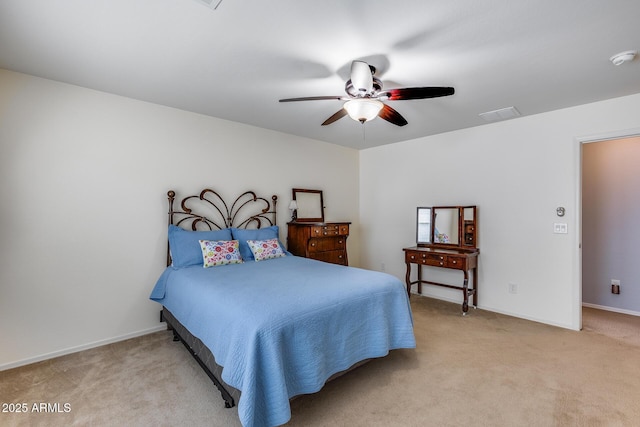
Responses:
[447,226]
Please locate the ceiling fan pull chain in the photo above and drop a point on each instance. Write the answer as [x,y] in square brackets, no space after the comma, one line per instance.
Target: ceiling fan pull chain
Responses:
[364,133]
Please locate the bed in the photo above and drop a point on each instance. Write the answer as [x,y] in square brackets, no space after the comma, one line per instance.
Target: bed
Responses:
[265,325]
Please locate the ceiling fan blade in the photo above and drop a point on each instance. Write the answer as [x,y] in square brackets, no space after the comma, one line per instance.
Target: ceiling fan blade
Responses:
[361,77]
[338,115]
[313,98]
[392,116]
[416,93]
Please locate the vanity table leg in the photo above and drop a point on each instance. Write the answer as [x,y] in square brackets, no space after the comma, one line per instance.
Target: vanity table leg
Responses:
[407,279]
[420,279]
[465,288]
[475,287]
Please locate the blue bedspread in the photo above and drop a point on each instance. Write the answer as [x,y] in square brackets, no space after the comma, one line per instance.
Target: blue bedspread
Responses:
[282,327]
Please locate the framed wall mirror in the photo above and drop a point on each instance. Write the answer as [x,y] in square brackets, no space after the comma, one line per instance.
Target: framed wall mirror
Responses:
[310,205]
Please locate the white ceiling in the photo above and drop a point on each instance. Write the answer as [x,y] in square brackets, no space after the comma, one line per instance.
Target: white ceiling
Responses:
[236,62]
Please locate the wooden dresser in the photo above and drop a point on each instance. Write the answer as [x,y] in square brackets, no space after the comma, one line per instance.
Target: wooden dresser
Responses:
[324,241]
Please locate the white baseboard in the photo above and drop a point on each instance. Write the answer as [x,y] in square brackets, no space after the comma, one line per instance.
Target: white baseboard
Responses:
[161,327]
[496,310]
[614,309]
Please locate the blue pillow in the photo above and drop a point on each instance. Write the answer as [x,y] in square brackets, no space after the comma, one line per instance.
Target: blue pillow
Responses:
[185,245]
[242,235]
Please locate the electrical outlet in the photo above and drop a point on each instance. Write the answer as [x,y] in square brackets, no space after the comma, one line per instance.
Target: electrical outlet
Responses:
[615,286]
[513,288]
[382,266]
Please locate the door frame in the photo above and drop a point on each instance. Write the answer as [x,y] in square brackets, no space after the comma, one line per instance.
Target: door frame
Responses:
[580,141]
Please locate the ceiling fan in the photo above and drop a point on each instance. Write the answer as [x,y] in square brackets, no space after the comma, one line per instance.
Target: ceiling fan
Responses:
[365,95]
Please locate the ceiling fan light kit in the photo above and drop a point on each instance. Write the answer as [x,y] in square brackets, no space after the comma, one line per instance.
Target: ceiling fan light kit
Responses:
[363,110]
[365,95]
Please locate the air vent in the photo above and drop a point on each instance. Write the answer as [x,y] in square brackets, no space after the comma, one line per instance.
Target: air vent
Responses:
[213,4]
[502,114]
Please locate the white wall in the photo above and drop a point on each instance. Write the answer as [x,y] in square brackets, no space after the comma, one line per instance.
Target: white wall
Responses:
[517,172]
[83,183]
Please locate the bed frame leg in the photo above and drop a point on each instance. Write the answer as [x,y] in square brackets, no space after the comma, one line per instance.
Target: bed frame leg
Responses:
[229,402]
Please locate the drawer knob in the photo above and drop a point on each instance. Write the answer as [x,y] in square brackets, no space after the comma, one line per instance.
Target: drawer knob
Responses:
[413,257]
[313,244]
[441,263]
[454,261]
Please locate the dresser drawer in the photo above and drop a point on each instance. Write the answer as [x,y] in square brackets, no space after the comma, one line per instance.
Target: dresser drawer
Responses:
[329,230]
[322,244]
[335,257]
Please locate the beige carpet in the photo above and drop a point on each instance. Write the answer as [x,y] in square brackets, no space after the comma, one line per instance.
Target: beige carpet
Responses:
[485,369]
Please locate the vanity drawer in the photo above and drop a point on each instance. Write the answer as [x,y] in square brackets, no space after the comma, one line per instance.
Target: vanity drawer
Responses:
[410,256]
[436,259]
[453,261]
[425,258]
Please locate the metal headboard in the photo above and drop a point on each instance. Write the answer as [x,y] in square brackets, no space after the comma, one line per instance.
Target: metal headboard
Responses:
[209,211]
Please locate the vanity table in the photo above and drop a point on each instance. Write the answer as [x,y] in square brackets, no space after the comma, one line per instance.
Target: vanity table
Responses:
[446,237]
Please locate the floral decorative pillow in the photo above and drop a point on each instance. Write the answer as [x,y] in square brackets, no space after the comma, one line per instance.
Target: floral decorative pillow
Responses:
[265,249]
[220,252]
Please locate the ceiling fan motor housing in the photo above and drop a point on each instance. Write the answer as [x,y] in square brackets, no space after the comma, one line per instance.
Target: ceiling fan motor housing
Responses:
[352,91]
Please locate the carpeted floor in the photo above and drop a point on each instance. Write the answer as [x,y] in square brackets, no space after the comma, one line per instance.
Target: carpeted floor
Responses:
[484,369]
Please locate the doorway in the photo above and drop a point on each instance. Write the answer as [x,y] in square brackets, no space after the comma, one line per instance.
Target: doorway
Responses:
[610,223]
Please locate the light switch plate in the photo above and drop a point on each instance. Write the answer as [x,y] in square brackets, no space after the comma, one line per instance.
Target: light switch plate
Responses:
[560,228]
